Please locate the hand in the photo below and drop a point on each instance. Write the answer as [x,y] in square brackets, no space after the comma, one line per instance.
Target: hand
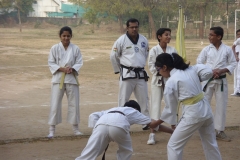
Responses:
[154,123]
[217,73]
[68,70]
[173,127]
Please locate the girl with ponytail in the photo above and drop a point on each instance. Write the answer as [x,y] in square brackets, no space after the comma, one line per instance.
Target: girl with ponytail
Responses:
[184,87]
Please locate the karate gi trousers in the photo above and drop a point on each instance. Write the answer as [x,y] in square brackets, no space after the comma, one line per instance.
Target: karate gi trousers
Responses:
[139,88]
[184,132]
[102,135]
[72,92]
[238,78]
[221,98]
[156,100]
[235,78]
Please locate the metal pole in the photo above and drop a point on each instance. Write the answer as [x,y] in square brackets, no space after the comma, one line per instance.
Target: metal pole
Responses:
[180,34]
[167,22]
[205,26]
[211,15]
[236,22]
[227,19]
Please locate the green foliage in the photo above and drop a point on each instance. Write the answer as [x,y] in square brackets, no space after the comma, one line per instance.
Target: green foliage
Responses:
[25,6]
[112,7]
[91,15]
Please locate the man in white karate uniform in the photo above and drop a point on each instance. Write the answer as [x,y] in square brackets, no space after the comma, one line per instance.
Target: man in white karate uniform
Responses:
[220,58]
[236,50]
[114,125]
[128,57]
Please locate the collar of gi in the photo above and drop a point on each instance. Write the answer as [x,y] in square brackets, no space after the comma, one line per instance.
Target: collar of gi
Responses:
[134,42]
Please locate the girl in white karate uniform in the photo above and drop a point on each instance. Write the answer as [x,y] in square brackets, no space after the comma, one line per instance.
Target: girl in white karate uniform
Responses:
[184,86]
[65,61]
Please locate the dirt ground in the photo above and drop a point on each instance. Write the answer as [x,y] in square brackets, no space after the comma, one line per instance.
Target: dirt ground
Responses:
[25,99]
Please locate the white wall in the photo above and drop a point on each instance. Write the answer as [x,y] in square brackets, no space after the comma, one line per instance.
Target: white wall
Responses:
[43,6]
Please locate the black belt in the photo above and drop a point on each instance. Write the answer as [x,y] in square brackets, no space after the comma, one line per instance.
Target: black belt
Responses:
[117,112]
[136,70]
[211,79]
[103,157]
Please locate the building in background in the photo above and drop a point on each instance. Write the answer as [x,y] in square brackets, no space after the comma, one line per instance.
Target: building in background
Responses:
[56,8]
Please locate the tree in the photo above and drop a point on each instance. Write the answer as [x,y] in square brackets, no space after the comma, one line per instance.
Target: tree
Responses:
[21,6]
[148,6]
[202,9]
[111,7]
[92,17]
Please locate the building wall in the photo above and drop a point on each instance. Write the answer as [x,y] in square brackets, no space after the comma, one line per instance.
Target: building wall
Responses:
[41,7]
[55,21]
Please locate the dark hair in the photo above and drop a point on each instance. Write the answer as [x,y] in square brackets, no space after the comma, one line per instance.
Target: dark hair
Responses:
[171,61]
[133,104]
[218,31]
[161,31]
[132,20]
[237,31]
[66,28]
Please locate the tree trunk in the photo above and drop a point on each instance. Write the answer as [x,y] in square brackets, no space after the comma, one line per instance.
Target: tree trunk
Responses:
[152,25]
[93,28]
[121,29]
[19,20]
[201,26]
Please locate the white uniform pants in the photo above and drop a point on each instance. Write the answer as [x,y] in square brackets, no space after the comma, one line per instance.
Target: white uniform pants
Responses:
[184,132]
[156,99]
[102,135]
[72,92]
[139,88]
[235,79]
[238,78]
[221,103]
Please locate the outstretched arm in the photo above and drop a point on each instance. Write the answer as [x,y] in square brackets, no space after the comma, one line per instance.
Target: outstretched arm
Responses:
[166,129]
[154,123]
[161,127]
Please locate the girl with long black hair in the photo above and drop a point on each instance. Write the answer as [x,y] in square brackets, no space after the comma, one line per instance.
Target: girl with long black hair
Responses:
[184,87]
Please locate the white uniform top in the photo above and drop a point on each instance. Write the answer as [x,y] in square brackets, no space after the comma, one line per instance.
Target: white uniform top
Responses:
[59,57]
[125,52]
[237,44]
[221,58]
[132,116]
[183,85]
[153,53]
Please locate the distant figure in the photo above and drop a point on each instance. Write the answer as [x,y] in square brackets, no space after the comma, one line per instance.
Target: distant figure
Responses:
[220,58]
[236,50]
[65,61]
[114,125]
[128,57]
[157,84]
[184,87]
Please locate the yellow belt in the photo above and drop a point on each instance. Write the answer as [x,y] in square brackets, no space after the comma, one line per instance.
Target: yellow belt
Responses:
[190,101]
[63,77]
[193,100]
